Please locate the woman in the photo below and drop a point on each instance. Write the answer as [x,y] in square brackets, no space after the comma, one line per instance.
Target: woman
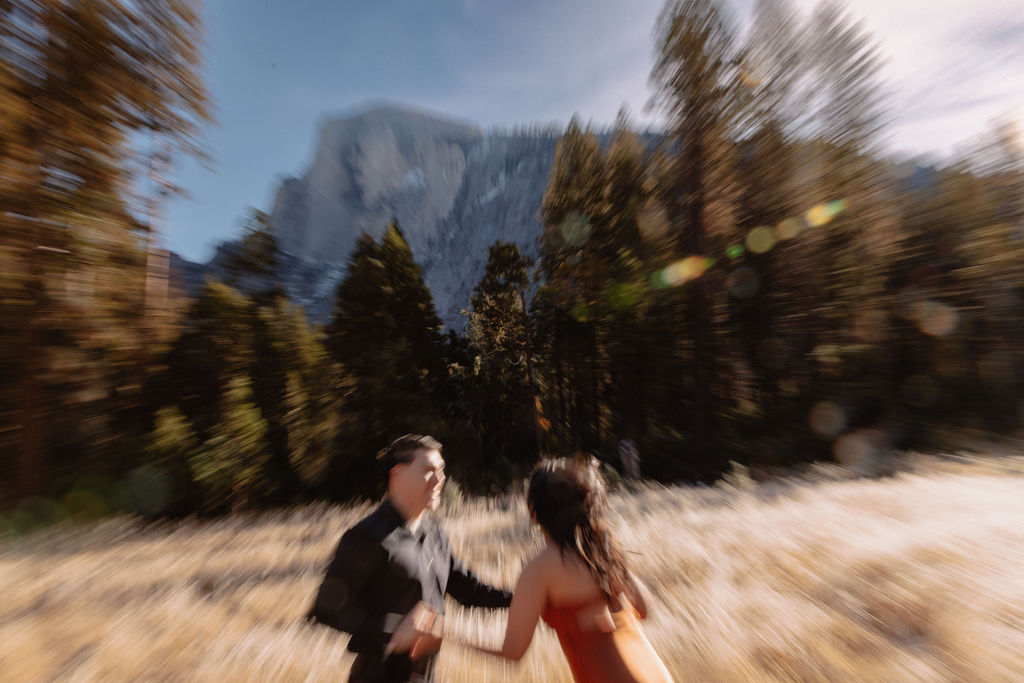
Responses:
[580,584]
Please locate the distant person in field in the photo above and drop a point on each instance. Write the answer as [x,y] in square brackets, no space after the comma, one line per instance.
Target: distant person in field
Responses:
[629,456]
[580,583]
[387,581]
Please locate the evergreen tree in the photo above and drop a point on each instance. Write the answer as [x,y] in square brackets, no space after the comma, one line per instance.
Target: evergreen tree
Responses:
[231,466]
[503,402]
[698,85]
[299,392]
[255,258]
[386,335]
[572,212]
[170,446]
[625,343]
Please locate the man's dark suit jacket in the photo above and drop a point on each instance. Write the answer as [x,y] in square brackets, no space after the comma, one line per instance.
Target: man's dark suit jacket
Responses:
[381,568]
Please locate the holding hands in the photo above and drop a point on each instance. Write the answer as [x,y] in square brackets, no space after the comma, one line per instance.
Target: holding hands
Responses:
[419,633]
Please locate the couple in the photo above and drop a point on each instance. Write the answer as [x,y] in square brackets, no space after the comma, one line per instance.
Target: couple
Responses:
[387,581]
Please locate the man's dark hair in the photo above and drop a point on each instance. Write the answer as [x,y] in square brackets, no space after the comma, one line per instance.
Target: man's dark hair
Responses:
[401,451]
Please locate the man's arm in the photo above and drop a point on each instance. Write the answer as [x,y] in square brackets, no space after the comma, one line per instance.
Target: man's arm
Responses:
[341,603]
[470,591]
[527,605]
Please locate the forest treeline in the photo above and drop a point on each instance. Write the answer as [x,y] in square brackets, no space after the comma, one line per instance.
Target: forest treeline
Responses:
[762,285]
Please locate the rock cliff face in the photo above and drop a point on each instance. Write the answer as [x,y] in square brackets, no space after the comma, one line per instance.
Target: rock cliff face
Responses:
[454,189]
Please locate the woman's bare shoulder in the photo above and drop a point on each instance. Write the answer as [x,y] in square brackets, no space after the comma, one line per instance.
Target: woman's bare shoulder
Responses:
[536,575]
[543,562]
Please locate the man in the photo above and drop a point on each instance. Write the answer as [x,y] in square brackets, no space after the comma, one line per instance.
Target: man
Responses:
[387,581]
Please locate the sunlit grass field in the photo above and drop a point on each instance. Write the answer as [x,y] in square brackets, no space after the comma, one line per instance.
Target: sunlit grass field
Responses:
[913,577]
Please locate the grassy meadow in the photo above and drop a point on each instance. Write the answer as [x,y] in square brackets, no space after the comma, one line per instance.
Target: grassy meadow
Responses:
[918,576]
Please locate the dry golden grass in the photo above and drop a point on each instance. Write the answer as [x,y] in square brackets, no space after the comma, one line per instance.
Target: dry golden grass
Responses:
[917,577]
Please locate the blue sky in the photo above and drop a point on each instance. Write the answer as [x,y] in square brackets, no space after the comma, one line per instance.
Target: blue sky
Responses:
[276,69]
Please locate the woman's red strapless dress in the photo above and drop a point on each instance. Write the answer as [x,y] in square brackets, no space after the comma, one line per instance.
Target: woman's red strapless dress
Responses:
[605,646]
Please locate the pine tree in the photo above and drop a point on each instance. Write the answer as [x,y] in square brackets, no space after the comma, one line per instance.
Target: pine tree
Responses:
[498,329]
[231,466]
[698,85]
[254,260]
[627,256]
[299,391]
[572,213]
[170,446]
[386,334]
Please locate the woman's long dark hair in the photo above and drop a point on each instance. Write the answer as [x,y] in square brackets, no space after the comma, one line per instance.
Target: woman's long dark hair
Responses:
[569,500]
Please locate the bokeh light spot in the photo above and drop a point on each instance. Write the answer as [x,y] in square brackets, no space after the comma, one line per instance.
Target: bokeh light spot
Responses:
[788,229]
[658,280]
[753,75]
[853,449]
[935,318]
[85,504]
[652,221]
[735,251]
[575,229]
[827,419]
[35,513]
[150,488]
[743,283]
[684,270]
[622,295]
[835,207]
[870,326]
[580,312]
[818,215]
[760,240]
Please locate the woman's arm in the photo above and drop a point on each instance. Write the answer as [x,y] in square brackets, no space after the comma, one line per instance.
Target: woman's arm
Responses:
[524,613]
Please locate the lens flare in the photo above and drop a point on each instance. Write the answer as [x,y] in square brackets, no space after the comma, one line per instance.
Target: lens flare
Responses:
[935,318]
[85,504]
[827,419]
[753,75]
[788,229]
[622,295]
[34,513]
[871,326]
[151,489]
[735,251]
[853,449]
[575,229]
[760,240]
[817,216]
[580,312]
[652,221]
[684,270]
[743,283]
[658,280]
[835,207]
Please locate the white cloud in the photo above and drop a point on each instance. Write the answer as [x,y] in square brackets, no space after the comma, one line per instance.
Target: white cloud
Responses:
[951,66]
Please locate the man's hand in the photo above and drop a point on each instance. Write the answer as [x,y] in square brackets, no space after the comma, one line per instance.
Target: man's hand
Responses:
[429,642]
[419,633]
